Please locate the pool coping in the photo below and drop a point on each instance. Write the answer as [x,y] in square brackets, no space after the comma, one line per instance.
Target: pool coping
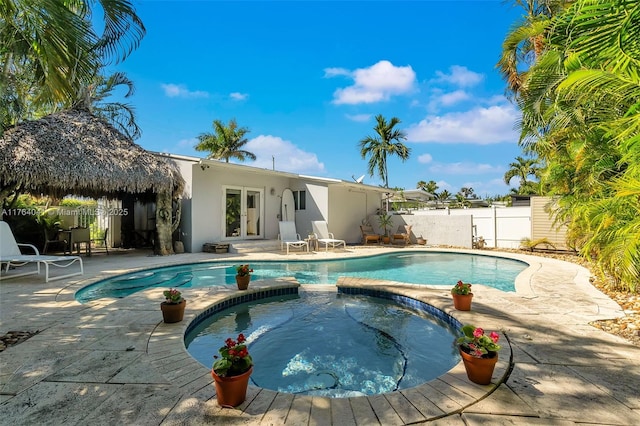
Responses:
[450,393]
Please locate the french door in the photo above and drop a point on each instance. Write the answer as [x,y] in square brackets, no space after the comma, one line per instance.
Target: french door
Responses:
[243,213]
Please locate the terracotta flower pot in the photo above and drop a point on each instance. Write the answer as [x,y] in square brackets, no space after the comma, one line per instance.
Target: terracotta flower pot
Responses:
[231,391]
[462,302]
[173,312]
[479,370]
[243,281]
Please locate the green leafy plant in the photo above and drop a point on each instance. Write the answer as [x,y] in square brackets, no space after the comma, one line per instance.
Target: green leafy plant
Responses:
[386,222]
[234,358]
[243,270]
[474,342]
[461,288]
[172,296]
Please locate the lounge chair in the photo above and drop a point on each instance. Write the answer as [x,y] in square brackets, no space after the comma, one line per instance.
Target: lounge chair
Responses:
[403,233]
[321,230]
[289,237]
[368,235]
[10,255]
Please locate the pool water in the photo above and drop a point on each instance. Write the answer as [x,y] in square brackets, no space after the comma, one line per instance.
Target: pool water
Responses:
[332,345]
[435,268]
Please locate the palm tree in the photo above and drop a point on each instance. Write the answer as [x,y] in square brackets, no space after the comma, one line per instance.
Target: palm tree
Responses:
[468,193]
[226,142]
[582,119]
[525,42]
[443,196]
[51,48]
[120,115]
[522,168]
[431,187]
[380,146]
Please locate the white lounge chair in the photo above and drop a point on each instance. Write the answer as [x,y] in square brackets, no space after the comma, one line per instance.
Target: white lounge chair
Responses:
[289,237]
[10,255]
[321,229]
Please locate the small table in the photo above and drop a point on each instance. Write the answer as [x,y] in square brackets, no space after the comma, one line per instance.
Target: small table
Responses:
[313,242]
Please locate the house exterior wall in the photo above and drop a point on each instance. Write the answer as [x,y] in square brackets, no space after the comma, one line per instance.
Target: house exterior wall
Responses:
[207,208]
[342,204]
[349,207]
[317,206]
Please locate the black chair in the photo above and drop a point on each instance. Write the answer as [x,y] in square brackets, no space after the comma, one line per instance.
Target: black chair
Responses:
[52,239]
[103,240]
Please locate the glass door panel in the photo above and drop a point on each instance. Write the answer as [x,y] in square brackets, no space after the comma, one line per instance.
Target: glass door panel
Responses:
[233,213]
[254,208]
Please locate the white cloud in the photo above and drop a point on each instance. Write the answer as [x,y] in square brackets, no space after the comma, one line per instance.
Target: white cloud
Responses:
[180,91]
[332,72]
[187,143]
[358,117]
[464,168]
[425,158]
[482,126]
[237,96]
[453,97]
[373,84]
[459,76]
[288,157]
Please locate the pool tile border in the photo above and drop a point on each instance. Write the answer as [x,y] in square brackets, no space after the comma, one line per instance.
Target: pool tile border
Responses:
[448,394]
[405,301]
[258,294]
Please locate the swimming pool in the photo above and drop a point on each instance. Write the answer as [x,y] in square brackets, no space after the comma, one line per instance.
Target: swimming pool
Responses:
[334,345]
[437,268]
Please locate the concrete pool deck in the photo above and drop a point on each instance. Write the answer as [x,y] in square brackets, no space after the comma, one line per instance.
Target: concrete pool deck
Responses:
[116,362]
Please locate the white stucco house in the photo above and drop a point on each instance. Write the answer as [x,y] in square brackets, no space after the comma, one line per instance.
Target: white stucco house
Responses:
[226,203]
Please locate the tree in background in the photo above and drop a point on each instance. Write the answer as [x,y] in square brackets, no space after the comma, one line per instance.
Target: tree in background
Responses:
[49,49]
[385,143]
[581,116]
[225,142]
[120,115]
[525,42]
[442,196]
[431,187]
[522,168]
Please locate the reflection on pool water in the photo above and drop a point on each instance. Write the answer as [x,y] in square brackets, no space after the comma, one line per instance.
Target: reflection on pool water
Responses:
[436,268]
[332,345]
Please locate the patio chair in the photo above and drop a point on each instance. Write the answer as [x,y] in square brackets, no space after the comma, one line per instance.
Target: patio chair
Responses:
[10,255]
[368,235]
[403,233]
[53,238]
[321,229]
[103,240]
[289,237]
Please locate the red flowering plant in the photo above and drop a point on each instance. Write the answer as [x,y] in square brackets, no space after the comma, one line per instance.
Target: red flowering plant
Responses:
[461,288]
[474,342]
[243,270]
[234,358]
[172,296]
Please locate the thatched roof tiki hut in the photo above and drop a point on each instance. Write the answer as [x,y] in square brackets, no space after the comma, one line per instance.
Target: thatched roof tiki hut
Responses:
[75,152]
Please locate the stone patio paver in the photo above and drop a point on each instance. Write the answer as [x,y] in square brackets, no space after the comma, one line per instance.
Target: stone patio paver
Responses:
[116,362]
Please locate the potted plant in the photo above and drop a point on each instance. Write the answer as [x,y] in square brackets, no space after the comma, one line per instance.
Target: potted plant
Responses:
[243,276]
[386,222]
[461,293]
[479,353]
[173,306]
[231,372]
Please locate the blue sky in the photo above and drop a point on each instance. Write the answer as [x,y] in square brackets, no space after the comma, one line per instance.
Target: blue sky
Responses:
[307,78]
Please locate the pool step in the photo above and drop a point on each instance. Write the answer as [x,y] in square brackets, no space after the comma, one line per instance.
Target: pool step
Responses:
[254,246]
